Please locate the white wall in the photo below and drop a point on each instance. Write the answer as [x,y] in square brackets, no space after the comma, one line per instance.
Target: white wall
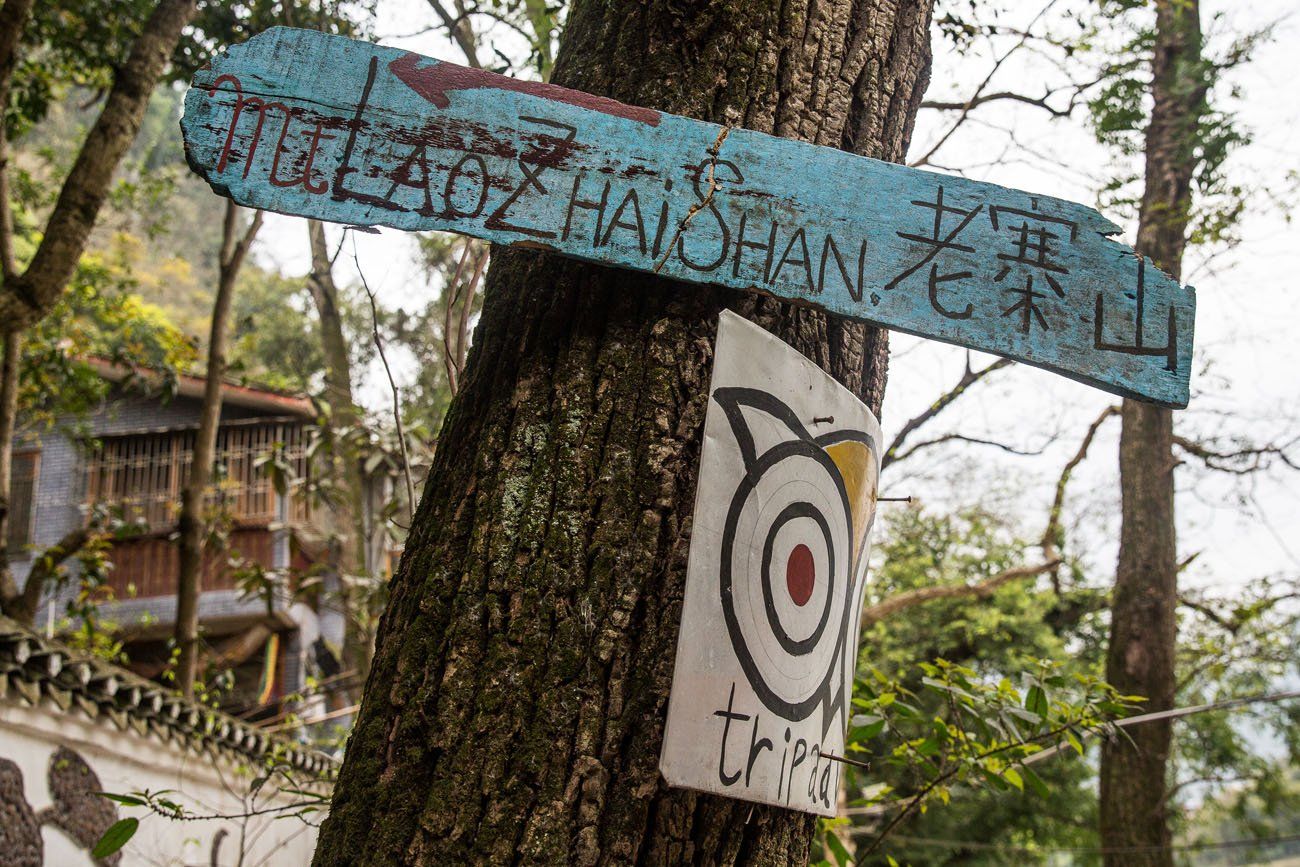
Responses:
[126,761]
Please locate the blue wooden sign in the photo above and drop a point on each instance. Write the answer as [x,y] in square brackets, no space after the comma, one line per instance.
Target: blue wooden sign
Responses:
[322,126]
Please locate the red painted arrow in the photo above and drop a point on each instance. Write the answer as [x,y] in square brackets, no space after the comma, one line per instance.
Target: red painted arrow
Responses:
[436,81]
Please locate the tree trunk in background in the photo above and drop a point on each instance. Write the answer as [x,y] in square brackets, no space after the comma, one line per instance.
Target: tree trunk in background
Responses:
[190,523]
[515,708]
[1143,631]
[27,296]
[11,597]
[349,509]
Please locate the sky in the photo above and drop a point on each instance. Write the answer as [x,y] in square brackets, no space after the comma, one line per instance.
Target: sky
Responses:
[1244,385]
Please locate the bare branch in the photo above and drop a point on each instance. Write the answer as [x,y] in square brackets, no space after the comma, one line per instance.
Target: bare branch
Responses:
[968,378]
[956,437]
[460,30]
[1077,90]
[1052,532]
[392,384]
[45,571]
[1209,613]
[467,309]
[1241,461]
[449,349]
[977,101]
[980,590]
[924,159]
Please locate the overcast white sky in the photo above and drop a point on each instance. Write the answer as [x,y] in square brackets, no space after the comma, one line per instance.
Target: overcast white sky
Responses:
[1248,324]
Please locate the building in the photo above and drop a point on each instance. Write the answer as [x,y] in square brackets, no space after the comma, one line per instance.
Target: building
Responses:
[131,456]
[72,725]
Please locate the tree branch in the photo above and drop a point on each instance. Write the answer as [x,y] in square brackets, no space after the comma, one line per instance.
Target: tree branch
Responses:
[981,99]
[14,15]
[968,378]
[449,345]
[234,247]
[956,437]
[1077,90]
[392,384]
[1249,459]
[1052,532]
[1209,613]
[981,590]
[30,296]
[979,90]
[467,309]
[460,30]
[45,571]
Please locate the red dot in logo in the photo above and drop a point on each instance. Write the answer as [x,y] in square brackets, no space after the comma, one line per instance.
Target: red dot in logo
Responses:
[800,574]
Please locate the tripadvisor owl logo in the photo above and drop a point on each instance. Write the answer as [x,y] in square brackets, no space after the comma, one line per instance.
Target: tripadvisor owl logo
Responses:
[792,552]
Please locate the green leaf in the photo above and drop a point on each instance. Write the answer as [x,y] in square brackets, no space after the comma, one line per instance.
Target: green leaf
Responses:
[127,800]
[1035,782]
[1012,776]
[842,854]
[115,837]
[866,727]
[1036,701]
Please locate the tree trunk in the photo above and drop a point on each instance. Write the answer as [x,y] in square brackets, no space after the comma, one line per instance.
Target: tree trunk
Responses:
[29,297]
[190,523]
[1143,632]
[515,708]
[349,510]
[14,15]
[11,597]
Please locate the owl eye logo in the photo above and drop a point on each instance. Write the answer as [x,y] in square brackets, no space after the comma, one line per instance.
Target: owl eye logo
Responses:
[792,553]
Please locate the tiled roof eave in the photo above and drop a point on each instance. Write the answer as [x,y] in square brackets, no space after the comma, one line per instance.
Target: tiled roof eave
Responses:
[34,668]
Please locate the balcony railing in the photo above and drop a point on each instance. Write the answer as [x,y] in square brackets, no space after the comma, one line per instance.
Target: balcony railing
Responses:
[142,475]
[147,566]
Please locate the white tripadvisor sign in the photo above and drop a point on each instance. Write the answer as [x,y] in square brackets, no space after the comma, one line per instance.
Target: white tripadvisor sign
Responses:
[778,563]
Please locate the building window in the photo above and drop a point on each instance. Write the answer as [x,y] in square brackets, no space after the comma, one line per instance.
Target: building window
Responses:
[22,494]
[143,474]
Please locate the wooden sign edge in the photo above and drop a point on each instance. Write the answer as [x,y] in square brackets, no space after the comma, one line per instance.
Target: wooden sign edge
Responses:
[1175,397]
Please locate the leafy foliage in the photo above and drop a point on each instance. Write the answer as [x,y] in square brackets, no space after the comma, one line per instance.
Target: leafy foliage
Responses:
[1120,40]
[98,317]
[990,688]
[958,729]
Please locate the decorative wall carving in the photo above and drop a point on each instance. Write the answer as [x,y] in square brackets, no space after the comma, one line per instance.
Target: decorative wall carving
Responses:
[77,811]
[20,832]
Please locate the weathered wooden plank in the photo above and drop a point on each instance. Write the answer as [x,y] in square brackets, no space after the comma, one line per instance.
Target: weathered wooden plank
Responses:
[322,126]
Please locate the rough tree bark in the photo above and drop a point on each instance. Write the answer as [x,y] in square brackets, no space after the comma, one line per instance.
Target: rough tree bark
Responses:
[189,525]
[515,708]
[11,597]
[1143,632]
[14,15]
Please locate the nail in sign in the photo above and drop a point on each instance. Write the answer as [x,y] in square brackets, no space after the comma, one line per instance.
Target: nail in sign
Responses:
[323,126]
[774,582]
